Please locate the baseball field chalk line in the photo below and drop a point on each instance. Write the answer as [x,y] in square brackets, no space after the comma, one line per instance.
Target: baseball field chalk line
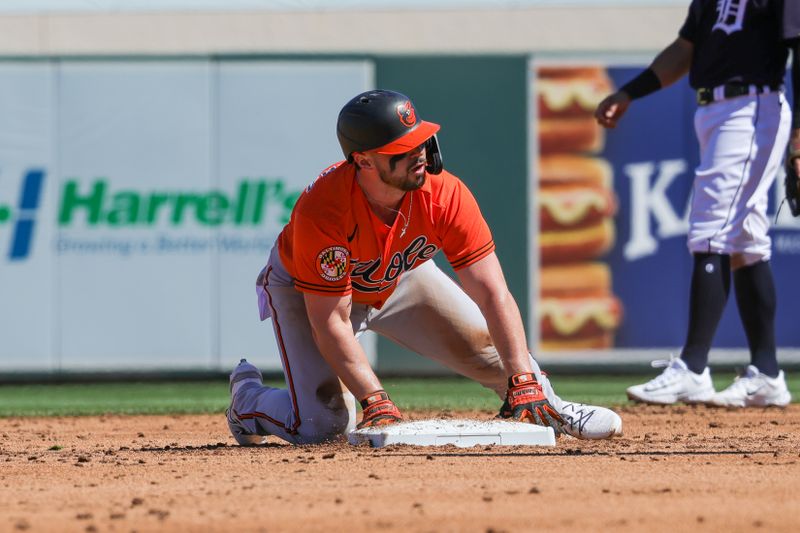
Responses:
[461,433]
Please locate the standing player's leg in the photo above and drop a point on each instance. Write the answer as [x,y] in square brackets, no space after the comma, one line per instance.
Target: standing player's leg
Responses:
[762,383]
[708,294]
[315,406]
[756,300]
[431,315]
[727,136]
[750,242]
[728,183]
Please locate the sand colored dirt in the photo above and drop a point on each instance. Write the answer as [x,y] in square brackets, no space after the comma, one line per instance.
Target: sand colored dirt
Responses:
[675,469]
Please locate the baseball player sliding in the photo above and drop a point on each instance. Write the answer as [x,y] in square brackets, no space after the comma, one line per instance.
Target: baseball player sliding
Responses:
[735,52]
[356,256]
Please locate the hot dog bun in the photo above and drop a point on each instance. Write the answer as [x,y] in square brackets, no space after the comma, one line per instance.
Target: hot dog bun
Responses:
[577,310]
[574,207]
[580,279]
[571,91]
[571,134]
[576,204]
[566,100]
[579,244]
[563,169]
[601,342]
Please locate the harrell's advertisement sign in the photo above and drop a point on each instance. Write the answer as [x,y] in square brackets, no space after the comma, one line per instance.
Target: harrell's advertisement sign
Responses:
[98,204]
[614,205]
[139,200]
[22,216]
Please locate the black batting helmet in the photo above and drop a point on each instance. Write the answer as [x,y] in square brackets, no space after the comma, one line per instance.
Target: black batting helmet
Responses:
[385,122]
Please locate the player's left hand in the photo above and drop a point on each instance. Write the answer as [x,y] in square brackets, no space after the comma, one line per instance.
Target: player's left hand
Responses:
[379,410]
[611,109]
[526,402]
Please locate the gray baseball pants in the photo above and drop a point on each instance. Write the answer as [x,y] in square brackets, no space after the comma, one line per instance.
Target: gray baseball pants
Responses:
[428,313]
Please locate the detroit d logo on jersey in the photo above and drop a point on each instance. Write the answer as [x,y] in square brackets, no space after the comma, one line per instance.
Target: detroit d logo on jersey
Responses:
[730,15]
[332,263]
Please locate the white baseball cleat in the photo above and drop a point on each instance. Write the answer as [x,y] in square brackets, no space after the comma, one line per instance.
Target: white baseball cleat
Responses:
[675,384]
[589,421]
[583,421]
[754,389]
[242,374]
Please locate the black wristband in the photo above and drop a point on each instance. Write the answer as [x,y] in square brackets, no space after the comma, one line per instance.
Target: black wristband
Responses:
[645,83]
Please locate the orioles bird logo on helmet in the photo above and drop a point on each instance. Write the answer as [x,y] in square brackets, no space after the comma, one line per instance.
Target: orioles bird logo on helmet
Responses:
[407,114]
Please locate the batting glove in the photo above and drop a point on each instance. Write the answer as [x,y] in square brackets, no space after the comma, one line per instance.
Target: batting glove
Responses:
[526,402]
[379,410]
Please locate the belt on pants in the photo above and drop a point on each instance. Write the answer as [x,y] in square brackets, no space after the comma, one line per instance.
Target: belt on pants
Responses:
[708,95]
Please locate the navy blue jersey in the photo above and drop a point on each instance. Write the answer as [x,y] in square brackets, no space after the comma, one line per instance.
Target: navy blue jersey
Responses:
[791,19]
[740,40]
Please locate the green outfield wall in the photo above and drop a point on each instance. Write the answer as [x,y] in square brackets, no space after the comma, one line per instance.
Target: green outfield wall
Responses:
[140,196]
[481,104]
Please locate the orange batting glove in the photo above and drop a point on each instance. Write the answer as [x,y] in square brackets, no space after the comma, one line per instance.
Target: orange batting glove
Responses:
[379,410]
[526,402]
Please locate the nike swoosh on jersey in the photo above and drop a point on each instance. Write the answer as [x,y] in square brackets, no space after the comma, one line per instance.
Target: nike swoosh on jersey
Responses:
[352,235]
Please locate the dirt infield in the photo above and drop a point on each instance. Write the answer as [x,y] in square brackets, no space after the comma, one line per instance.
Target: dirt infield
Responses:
[675,469]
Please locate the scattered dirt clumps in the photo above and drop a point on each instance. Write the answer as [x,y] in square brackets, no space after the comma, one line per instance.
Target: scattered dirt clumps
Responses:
[675,468]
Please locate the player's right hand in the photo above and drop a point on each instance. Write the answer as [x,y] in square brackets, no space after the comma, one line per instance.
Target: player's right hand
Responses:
[526,402]
[610,110]
[379,410]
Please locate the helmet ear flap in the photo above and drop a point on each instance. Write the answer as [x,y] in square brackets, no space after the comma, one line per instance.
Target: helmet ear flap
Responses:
[433,155]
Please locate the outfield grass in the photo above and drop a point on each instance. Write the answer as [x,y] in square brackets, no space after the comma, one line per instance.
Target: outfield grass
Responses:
[212,397]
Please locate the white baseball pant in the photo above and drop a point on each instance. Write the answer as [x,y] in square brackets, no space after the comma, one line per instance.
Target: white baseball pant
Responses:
[742,141]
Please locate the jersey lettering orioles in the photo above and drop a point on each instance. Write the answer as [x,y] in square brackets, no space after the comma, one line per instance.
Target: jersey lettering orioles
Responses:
[362,276]
[335,245]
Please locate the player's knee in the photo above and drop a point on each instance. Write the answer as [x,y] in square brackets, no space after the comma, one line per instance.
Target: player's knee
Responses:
[335,414]
[325,426]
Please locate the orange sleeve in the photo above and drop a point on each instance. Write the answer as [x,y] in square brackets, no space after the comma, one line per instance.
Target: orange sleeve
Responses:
[321,257]
[466,237]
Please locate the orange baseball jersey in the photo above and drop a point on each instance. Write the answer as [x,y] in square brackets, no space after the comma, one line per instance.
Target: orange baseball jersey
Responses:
[335,245]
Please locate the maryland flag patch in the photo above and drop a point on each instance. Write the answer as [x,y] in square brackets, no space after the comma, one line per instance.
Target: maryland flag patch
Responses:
[333,263]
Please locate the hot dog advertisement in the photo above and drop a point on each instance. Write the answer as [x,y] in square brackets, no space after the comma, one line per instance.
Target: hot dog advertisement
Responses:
[614,270]
[577,309]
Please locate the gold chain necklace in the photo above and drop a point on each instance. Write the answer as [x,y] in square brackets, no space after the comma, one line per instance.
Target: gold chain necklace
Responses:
[406,219]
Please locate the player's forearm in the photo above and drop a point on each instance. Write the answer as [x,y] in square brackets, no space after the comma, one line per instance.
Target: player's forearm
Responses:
[794,148]
[346,357]
[484,282]
[794,141]
[673,62]
[508,334]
